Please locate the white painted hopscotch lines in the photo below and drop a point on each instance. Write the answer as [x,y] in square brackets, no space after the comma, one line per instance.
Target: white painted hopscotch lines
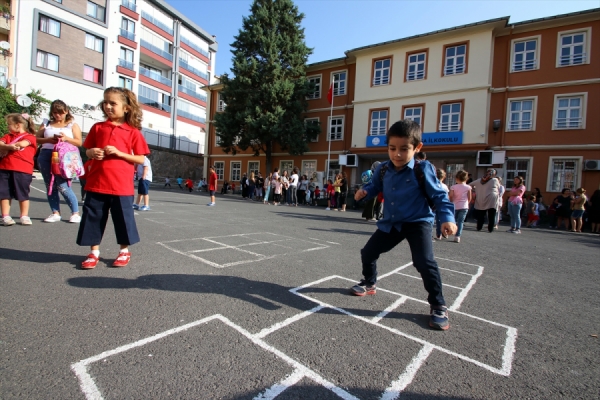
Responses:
[229,250]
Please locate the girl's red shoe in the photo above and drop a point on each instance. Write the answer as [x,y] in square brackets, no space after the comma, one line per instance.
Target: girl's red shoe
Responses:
[122,260]
[90,262]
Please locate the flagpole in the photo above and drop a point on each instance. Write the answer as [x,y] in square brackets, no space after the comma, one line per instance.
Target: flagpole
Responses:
[329,131]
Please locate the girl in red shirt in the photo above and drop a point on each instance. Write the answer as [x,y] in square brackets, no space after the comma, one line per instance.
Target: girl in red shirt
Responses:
[114,145]
[17,150]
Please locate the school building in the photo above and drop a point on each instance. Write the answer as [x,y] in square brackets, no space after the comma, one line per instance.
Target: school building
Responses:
[73,49]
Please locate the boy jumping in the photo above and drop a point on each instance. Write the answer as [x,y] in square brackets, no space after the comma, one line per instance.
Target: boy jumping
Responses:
[407,186]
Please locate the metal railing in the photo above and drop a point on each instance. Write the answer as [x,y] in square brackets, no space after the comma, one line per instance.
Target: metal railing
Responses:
[127,35]
[186,65]
[155,76]
[195,46]
[173,142]
[199,96]
[520,125]
[156,50]
[568,122]
[158,23]
[449,126]
[154,103]
[191,116]
[126,64]
[524,65]
[573,59]
[129,4]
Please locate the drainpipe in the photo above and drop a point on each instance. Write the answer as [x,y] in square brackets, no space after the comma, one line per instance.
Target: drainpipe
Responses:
[507,84]
[174,83]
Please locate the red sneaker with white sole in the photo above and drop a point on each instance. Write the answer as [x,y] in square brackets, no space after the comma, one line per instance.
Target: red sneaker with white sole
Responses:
[122,260]
[90,262]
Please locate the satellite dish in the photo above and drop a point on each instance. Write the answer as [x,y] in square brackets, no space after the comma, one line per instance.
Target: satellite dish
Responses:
[13,80]
[4,45]
[24,101]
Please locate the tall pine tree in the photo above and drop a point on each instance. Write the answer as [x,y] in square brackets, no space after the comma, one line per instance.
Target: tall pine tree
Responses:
[267,94]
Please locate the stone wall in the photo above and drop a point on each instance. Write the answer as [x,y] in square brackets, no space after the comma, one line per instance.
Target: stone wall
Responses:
[173,164]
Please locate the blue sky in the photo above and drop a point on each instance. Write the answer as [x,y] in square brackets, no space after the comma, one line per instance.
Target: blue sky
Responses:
[334,26]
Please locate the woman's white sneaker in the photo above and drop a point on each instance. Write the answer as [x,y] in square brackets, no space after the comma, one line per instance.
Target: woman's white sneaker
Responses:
[75,219]
[53,218]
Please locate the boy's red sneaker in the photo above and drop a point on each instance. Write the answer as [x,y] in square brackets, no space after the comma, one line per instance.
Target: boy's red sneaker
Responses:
[90,262]
[122,260]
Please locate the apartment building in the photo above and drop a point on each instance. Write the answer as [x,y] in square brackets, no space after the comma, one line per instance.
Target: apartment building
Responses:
[6,41]
[73,49]
[545,93]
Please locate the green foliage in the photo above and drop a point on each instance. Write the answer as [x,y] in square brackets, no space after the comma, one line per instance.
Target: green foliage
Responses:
[267,94]
[9,105]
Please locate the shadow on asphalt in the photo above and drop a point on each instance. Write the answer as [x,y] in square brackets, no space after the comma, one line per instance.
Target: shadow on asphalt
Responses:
[255,292]
[41,257]
[337,230]
[337,216]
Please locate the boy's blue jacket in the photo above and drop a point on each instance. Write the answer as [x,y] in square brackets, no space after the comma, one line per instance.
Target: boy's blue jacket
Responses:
[404,198]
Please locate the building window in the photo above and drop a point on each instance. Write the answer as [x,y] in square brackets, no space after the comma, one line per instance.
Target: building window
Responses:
[334,169]
[94,43]
[286,165]
[336,128]
[524,55]
[236,171]
[125,83]
[455,60]
[49,26]
[573,49]
[92,74]
[130,4]
[569,112]
[218,141]
[563,173]
[414,114]
[315,80]
[415,66]
[339,83]
[96,11]
[379,120]
[219,170]
[221,104]
[126,58]
[516,167]
[253,166]
[47,60]
[154,98]
[308,121]
[127,29]
[521,115]
[309,167]
[451,170]
[450,117]
[381,72]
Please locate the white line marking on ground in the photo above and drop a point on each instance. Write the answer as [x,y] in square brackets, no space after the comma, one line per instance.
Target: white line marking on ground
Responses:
[286,322]
[392,307]
[280,387]
[394,390]
[418,277]
[463,294]
[460,262]
[396,270]
[458,272]
[39,190]
[509,350]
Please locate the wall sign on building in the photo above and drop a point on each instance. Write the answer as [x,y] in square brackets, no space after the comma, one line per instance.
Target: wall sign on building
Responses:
[441,138]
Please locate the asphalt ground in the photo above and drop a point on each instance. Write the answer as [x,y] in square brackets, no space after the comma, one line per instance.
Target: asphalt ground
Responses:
[244,300]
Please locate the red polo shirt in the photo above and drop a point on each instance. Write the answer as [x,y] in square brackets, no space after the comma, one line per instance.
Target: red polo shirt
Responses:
[212,181]
[22,160]
[113,175]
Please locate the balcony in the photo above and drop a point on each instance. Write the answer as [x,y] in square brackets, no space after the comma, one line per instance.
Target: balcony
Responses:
[157,23]
[126,64]
[193,70]
[127,35]
[156,50]
[453,126]
[5,19]
[199,96]
[191,116]
[154,103]
[130,5]
[155,76]
[195,47]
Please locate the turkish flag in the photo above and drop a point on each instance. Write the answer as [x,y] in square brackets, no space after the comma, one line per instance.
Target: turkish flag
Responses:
[330,94]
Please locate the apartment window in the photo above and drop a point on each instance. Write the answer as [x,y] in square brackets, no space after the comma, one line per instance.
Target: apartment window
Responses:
[92,74]
[381,72]
[49,26]
[219,170]
[94,43]
[516,167]
[450,117]
[154,98]
[126,58]
[309,167]
[569,112]
[308,121]
[414,114]
[125,83]
[47,60]
[455,61]
[379,120]
[336,128]
[253,166]
[563,173]
[315,80]
[573,48]
[127,28]
[286,165]
[416,66]
[221,106]
[521,115]
[96,11]
[334,169]
[236,171]
[525,55]
[339,83]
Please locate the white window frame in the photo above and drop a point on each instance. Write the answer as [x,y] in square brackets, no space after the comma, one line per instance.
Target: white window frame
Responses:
[232,171]
[220,169]
[381,81]
[339,85]
[329,125]
[303,170]
[96,42]
[414,75]
[332,171]
[449,128]
[257,170]
[46,59]
[377,131]
[319,122]
[318,86]
[217,140]
[454,57]
[578,170]
[125,80]
[509,127]
[583,112]
[49,26]
[587,46]
[282,167]
[513,53]
[412,117]
[509,181]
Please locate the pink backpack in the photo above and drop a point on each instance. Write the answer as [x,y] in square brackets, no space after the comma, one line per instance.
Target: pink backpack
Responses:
[69,163]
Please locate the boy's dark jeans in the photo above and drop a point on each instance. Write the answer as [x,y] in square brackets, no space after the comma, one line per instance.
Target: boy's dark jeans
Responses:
[418,235]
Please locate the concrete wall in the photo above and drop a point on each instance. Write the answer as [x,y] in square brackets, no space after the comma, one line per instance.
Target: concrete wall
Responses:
[172,164]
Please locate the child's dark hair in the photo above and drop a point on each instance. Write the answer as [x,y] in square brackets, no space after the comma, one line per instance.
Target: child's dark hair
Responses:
[405,128]
[133,112]
[532,197]
[421,155]
[317,187]
[440,173]
[16,118]
[59,106]
[462,175]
